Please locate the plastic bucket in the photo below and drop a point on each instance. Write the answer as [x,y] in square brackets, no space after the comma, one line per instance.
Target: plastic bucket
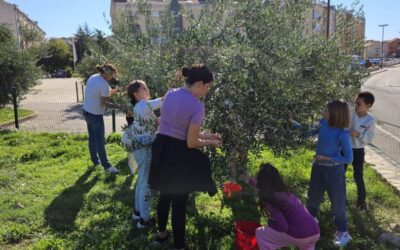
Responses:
[245,235]
[231,190]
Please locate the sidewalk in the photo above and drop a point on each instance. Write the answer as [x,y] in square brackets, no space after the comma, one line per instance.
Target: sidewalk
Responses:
[385,167]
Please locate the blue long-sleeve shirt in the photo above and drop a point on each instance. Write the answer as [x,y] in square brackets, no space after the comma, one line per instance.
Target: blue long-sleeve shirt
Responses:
[331,141]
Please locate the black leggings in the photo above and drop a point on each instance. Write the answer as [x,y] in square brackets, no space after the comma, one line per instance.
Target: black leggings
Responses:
[358,167]
[178,216]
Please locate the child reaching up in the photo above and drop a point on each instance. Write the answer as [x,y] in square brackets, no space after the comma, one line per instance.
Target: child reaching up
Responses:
[290,224]
[142,135]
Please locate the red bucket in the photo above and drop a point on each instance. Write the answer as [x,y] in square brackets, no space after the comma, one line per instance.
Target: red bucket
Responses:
[231,189]
[245,235]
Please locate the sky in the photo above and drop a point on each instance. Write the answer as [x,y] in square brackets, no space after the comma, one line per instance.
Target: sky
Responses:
[61,18]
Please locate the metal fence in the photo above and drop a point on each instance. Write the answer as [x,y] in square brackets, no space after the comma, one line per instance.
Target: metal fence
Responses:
[60,110]
[386,109]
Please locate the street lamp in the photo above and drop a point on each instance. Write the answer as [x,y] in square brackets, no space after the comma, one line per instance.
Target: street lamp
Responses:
[383,32]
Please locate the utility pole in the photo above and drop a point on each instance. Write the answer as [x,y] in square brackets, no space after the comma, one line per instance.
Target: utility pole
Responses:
[383,33]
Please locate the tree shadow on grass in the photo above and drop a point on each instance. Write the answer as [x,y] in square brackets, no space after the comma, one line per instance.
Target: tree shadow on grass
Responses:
[60,215]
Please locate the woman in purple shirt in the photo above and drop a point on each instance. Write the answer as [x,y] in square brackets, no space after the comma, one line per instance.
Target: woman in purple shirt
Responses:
[178,167]
[290,224]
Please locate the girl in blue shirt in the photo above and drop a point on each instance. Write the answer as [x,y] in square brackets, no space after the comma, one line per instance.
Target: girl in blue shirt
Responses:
[328,172]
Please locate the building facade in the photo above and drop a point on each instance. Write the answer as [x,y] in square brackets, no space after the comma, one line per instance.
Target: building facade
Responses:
[393,48]
[26,32]
[373,49]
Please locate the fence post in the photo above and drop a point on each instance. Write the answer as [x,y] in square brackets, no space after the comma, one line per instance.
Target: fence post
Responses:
[113,120]
[83,93]
[77,94]
[14,97]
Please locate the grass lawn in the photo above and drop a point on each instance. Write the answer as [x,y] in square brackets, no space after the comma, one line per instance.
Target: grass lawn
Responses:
[52,198]
[7,114]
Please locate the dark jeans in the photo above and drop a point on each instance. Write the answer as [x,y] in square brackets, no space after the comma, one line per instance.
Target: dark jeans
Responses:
[331,179]
[95,126]
[358,168]
[178,216]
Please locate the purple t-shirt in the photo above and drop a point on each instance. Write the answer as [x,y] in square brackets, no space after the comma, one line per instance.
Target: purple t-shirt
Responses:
[290,216]
[180,109]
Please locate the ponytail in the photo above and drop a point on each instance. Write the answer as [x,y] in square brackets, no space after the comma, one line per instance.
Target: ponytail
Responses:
[133,87]
[198,72]
[106,68]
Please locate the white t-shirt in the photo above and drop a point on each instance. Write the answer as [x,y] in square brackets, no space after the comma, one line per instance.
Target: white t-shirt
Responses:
[365,126]
[96,87]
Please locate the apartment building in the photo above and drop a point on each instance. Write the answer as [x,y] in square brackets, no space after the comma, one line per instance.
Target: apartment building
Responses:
[26,31]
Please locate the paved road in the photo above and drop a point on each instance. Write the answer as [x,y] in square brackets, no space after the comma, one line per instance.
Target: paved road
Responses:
[386,88]
[56,103]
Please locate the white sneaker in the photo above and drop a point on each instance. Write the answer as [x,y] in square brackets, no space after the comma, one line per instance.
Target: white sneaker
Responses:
[112,170]
[341,239]
[136,216]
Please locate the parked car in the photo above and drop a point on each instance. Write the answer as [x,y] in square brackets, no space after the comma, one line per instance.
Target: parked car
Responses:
[59,74]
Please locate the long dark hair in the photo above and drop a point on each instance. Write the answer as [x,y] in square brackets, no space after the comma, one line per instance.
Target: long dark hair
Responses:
[198,72]
[269,182]
[133,87]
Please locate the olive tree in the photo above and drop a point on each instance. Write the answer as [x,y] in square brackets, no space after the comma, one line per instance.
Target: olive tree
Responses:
[268,63]
[17,68]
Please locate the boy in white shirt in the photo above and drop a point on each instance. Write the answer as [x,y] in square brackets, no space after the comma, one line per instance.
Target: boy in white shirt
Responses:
[362,131]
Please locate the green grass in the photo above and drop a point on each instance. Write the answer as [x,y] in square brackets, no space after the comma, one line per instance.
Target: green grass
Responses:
[52,198]
[7,114]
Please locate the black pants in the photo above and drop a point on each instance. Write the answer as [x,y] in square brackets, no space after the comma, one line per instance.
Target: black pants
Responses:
[358,167]
[178,216]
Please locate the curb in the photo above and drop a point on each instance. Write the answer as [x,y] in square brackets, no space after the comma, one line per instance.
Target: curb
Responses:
[26,118]
[384,166]
[377,72]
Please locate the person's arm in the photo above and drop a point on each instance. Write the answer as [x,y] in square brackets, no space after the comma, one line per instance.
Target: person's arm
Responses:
[368,133]
[155,104]
[277,220]
[347,156]
[194,139]
[105,94]
[309,133]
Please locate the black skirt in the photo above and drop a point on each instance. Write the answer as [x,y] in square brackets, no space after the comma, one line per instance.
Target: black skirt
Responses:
[177,169]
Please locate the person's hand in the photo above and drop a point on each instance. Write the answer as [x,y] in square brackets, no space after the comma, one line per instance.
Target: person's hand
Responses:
[113,92]
[215,143]
[322,158]
[354,133]
[216,137]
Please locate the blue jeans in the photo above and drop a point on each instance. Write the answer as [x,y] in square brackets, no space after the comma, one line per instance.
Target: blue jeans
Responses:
[142,188]
[333,180]
[95,126]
